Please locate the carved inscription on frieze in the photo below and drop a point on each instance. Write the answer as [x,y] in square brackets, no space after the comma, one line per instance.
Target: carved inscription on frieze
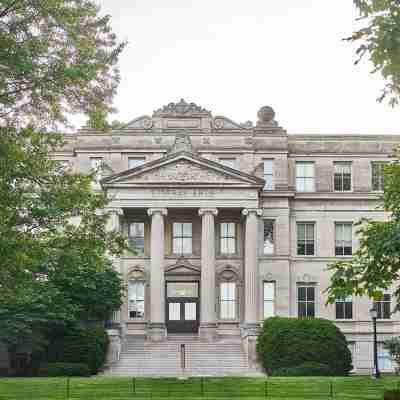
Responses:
[187,193]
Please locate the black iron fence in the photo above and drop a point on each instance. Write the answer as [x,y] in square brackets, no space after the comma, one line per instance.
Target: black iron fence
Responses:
[193,388]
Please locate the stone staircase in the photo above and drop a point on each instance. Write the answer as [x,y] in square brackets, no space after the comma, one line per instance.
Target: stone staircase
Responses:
[139,357]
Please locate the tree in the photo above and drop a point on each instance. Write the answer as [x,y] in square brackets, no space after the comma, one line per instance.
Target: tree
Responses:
[379,40]
[56,57]
[376,263]
[393,346]
[52,271]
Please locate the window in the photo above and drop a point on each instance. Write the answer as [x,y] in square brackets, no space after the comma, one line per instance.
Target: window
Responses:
[343,239]
[228,300]
[377,175]
[268,175]
[269,299]
[228,238]
[305,239]
[385,361]
[96,164]
[134,162]
[342,176]
[182,238]
[136,237]
[344,308]
[136,299]
[305,301]
[228,162]
[269,247]
[383,306]
[305,176]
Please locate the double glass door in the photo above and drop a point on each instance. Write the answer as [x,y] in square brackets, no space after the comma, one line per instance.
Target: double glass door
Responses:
[182,303]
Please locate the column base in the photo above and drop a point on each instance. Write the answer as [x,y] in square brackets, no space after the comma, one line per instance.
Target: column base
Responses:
[250,331]
[156,332]
[208,332]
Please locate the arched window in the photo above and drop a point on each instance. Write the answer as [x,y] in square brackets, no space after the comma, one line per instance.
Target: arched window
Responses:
[136,295]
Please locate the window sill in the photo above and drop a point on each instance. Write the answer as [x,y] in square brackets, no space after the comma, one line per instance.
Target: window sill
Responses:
[135,321]
[228,321]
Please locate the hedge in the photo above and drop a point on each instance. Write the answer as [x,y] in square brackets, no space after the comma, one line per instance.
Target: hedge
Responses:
[81,345]
[291,343]
[391,395]
[64,369]
[309,368]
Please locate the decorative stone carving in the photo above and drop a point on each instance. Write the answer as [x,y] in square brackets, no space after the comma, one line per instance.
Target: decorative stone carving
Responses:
[182,143]
[248,140]
[143,122]
[247,124]
[228,273]
[266,116]
[206,140]
[181,108]
[185,171]
[157,140]
[182,267]
[137,272]
[221,122]
[307,278]
[147,123]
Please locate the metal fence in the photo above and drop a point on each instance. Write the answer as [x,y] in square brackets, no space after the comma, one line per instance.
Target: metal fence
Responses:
[193,388]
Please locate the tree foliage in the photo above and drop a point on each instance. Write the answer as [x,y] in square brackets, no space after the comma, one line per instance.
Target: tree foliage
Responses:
[376,263]
[378,39]
[56,57]
[52,270]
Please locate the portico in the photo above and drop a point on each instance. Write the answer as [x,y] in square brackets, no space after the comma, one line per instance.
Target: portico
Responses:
[184,202]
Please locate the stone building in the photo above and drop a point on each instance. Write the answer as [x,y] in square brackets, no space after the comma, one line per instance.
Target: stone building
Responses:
[232,223]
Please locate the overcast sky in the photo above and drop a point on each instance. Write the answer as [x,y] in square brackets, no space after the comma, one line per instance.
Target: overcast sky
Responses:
[234,56]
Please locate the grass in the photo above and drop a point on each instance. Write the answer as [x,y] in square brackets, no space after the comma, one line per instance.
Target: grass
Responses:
[352,388]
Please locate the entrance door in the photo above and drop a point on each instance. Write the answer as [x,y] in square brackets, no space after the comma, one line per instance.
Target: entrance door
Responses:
[182,303]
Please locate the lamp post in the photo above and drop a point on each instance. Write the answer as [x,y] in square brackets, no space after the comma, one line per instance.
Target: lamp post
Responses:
[374,314]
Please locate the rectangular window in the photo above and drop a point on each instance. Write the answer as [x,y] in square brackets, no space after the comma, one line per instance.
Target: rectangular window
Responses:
[305,239]
[383,306]
[269,247]
[305,301]
[134,162]
[377,169]
[343,239]
[182,238]
[342,176]
[269,174]
[385,361]
[136,237]
[305,176]
[228,162]
[96,163]
[344,308]
[228,238]
[136,299]
[269,299]
[228,300]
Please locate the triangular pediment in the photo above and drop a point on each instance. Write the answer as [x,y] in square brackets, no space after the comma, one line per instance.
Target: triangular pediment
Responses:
[183,168]
[182,267]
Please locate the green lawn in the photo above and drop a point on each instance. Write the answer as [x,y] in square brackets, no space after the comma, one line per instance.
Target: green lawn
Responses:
[357,388]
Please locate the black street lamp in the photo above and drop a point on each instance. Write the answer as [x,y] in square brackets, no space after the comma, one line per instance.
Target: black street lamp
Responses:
[374,314]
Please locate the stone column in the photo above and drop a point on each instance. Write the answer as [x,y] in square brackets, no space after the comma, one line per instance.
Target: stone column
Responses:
[157,330]
[113,225]
[207,285]
[251,315]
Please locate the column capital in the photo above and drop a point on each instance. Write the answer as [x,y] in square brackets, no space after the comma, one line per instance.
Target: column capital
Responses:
[213,211]
[162,211]
[248,211]
[114,210]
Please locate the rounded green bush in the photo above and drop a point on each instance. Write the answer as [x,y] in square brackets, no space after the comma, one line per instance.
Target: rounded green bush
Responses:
[309,368]
[63,369]
[292,343]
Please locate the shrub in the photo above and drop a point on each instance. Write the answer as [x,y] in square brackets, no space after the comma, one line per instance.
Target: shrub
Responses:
[391,395]
[87,346]
[64,369]
[306,369]
[291,342]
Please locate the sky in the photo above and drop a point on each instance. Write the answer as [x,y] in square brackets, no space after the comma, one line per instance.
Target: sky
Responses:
[234,56]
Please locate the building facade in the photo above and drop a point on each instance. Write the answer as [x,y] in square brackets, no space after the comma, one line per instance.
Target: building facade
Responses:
[233,223]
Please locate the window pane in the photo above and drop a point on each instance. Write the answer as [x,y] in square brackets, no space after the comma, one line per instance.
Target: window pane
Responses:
[268,167]
[311,293]
[300,185]
[228,290]
[309,185]
[309,170]
[231,248]
[187,229]
[135,162]
[228,310]
[136,229]
[310,231]
[177,229]
[190,311]
[301,248]
[187,246]
[301,293]
[300,169]
[174,311]
[182,289]
[269,291]
[301,231]
[269,182]
[309,249]
[301,311]
[339,310]
[268,309]
[386,310]
[177,246]
[231,229]
[310,309]
[348,310]
[268,236]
